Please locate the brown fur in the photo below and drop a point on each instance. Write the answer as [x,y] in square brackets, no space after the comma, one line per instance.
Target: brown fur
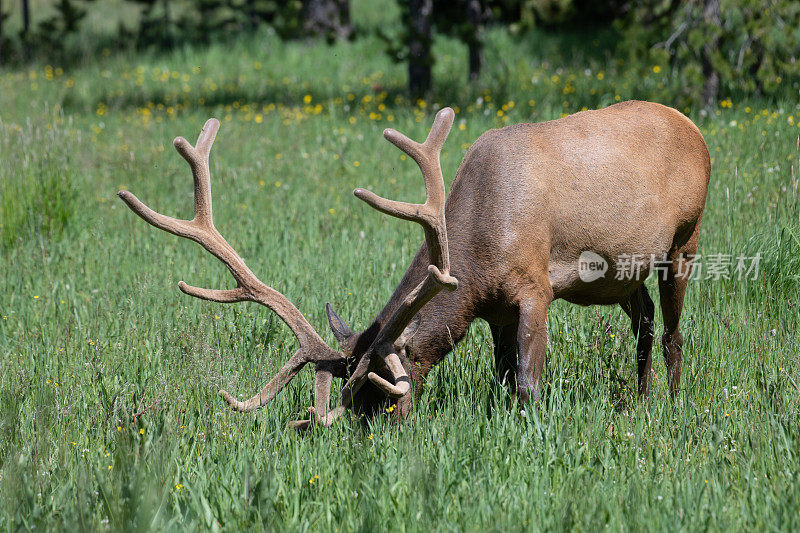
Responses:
[526,201]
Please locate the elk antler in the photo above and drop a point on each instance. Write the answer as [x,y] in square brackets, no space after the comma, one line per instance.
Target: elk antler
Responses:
[430,216]
[248,287]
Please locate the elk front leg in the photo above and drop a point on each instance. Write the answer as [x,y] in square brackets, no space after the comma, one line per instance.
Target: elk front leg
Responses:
[532,345]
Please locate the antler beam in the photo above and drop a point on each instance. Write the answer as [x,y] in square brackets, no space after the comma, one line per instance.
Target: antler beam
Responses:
[201,229]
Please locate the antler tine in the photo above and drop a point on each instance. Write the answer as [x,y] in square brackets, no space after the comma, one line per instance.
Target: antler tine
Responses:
[427,152]
[249,288]
[198,158]
[271,389]
[429,215]
[181,228]
[322,395]
[402,384]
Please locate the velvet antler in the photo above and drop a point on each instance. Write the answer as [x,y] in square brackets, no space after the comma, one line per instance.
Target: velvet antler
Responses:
[248,287]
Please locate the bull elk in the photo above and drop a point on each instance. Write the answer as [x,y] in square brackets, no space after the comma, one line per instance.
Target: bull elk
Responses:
[526,202]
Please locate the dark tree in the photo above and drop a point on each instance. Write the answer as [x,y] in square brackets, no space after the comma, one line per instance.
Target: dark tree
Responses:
[253,16]
[327,18]
[53,31]
[553,14]
[156,26]
[418,14]
[26,17]
[2,18]
[212,18]
[464,19]
[711,75]
[475,18]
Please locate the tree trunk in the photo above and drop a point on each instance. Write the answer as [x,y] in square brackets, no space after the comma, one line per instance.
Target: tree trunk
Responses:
[419,46]
[475,43]
[712,81]
[2,16]
[475,61]
[252,14]
[26,26]
[26,18]
[167,30]
[327,18]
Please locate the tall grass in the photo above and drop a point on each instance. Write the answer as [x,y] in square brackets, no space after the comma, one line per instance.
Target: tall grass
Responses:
[37,195]
[779,249]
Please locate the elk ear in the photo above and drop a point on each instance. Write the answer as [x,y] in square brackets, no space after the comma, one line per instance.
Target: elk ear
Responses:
[341,331]
[407,334]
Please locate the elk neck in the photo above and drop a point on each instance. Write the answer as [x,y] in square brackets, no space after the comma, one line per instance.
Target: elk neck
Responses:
[443,321]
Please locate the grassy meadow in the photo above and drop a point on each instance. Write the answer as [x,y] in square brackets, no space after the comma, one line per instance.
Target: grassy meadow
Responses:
[109,417]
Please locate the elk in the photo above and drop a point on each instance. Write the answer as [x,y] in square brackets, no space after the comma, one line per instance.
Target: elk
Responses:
[527,200]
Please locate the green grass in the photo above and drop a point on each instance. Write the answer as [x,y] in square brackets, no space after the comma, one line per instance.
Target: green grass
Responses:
[37,198]
[93,330]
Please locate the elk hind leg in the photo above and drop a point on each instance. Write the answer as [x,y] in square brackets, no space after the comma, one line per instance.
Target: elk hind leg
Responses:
[505,355]
[641,310]
[672,285]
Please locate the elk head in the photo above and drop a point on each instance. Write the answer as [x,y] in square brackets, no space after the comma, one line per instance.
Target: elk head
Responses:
[385,354]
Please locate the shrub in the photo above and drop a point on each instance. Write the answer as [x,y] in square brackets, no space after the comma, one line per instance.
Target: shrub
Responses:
[717,46]
[552,13]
